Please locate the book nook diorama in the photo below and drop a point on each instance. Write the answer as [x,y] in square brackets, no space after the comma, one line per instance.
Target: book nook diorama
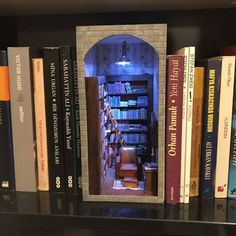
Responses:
[121,73]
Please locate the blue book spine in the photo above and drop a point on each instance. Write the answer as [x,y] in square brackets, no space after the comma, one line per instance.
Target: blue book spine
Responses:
[210,126]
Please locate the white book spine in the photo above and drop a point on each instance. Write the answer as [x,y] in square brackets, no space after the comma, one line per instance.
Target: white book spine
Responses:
[224,126]
[189,112]
[185,53]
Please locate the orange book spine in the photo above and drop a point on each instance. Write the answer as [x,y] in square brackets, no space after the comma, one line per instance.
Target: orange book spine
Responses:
[40,124]
[196,131]
[4,84]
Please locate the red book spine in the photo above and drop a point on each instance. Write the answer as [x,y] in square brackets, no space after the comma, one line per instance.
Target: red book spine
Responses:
[174,102]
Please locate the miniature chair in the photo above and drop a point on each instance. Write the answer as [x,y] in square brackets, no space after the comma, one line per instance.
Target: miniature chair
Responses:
[128,164]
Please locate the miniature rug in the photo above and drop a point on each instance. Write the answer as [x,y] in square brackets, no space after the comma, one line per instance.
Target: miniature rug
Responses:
[119,184]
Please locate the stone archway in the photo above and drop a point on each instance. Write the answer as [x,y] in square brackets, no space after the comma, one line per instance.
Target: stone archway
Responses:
[154,35]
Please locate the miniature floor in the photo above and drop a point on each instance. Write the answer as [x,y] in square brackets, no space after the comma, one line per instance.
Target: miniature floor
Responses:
[107,187]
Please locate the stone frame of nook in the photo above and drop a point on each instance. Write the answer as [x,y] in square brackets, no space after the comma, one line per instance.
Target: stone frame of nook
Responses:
[156,36]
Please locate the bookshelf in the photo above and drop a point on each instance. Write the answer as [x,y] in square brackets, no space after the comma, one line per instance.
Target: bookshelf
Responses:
[209,30]
[131,100]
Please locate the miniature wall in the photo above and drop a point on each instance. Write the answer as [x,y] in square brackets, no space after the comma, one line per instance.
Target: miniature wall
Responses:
[140,55]
[91,63]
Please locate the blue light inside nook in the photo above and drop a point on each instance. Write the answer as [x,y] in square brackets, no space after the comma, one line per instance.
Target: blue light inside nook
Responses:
[124,61]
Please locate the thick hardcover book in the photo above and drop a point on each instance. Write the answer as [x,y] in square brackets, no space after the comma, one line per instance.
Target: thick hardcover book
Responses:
[210,126]
[68,118]
[7,178]
[40,125]
[196,131]
[184,52]
[22,111]
[175,74]
[77,123]
[53,100]
[224,126]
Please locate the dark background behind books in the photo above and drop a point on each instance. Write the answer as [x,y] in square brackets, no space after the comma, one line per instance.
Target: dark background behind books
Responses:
[208,30]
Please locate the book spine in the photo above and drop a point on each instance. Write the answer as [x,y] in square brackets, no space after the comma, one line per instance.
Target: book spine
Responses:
[7,178]
[210,127]
[53,100]
[196,131]
[185,53]
[224,126]
[189,112]
[22,110]
[232,157]
[77,123]
[174,126]
[40,124]
[68,118]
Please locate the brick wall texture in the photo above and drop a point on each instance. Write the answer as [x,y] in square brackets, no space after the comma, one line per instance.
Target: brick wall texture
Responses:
[156,36]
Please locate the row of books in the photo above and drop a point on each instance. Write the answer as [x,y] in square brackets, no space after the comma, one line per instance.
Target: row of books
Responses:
[132,127]
[124,88]
[101,91]
[130,114]
[200,156]
[115,101]
[130,138]
[39,102]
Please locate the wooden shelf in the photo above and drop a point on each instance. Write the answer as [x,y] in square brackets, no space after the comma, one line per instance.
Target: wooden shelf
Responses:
[131,131]
[129,107]
[133,120]
[127,94]
[128,143]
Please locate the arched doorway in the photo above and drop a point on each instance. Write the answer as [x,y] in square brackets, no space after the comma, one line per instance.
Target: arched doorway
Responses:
[122,117]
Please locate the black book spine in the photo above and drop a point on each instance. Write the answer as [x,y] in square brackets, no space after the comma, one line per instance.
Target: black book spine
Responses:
[210,127]
[68,118]
[77,123]
[53,100]
[7,178]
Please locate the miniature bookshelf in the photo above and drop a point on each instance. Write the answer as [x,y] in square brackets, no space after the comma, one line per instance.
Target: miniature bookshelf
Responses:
[131,100]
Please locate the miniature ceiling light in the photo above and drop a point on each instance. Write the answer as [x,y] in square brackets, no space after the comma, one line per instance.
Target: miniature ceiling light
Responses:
[124,60]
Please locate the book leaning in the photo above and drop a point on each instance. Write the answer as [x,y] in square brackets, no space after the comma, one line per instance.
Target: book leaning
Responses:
[22,110]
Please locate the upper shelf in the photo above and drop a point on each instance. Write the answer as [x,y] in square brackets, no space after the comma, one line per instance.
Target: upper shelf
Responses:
[29,7]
